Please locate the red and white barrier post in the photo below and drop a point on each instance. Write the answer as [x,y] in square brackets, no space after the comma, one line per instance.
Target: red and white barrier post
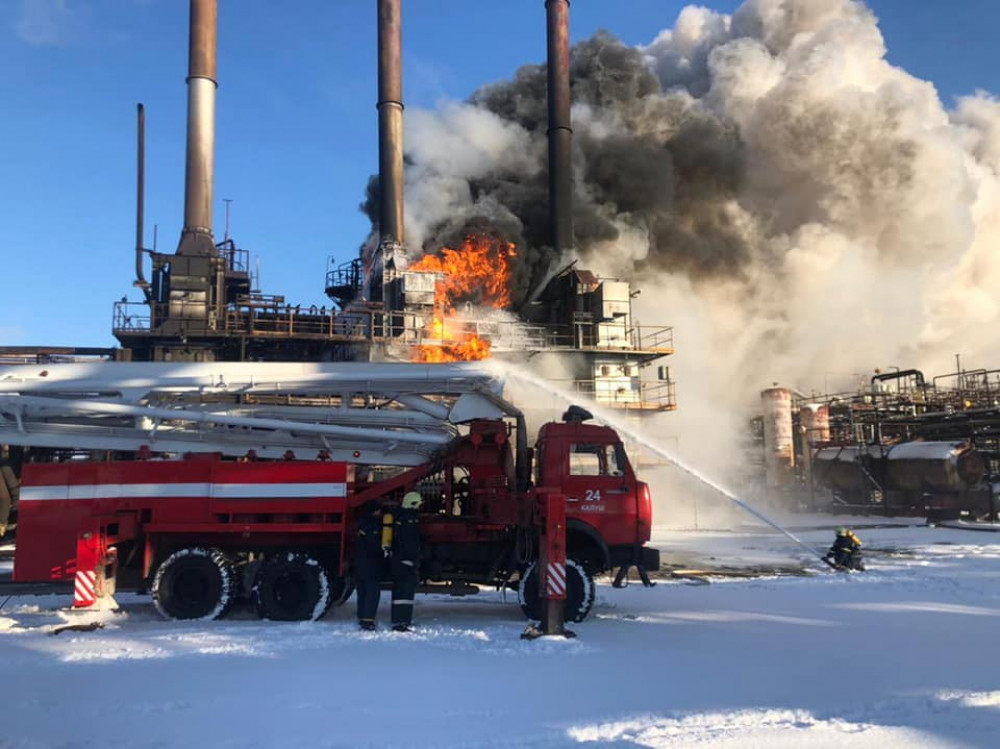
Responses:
[552,565]
[96,565]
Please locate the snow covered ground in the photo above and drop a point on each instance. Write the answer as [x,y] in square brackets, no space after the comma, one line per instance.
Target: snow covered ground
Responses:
[904,655]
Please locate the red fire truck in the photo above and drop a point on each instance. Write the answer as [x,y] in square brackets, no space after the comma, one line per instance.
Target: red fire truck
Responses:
[200,529]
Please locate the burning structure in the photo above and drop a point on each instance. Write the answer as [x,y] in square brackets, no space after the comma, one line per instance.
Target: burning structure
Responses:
[901,446]
[449,304]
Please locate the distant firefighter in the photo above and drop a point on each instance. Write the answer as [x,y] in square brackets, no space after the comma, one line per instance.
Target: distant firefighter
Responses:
[845,554]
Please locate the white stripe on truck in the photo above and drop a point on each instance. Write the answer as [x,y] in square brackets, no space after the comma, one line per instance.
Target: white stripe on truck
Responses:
[152,491]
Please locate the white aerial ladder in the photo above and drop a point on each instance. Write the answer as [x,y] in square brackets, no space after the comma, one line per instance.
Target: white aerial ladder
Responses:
[380,414]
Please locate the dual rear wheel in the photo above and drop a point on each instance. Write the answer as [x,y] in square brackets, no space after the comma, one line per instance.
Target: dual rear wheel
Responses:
[195,583]
[202,583]
[292,587]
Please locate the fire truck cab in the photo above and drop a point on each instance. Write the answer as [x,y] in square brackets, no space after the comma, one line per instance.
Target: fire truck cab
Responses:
[609,511]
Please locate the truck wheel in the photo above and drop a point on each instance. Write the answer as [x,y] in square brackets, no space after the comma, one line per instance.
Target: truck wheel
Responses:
[194,583]
[580,592]
[292,587]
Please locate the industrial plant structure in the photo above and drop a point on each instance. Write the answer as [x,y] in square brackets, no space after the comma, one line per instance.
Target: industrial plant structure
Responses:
[200,304]
[904,445]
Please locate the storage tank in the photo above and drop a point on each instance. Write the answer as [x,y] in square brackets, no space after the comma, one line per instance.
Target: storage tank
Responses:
[814,426]
[843,469]
[814,418]
[935,466]
[779,445]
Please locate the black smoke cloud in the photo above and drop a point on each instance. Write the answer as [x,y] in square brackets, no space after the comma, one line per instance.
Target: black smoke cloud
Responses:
[666,167]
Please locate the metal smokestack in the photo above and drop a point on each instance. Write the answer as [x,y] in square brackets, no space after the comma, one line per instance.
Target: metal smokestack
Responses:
[140,198]
[196,238]
[560,131]
[390,122]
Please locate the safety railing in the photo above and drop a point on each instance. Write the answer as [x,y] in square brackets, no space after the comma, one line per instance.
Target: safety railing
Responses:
[270,316]
[130,317]
[639,395]
[236,259]
[653,338]
[344,280]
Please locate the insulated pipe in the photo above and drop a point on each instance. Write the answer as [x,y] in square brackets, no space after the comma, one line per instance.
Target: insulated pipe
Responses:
[390,122]
[196,238]
[900,375]
[560,131]
[140,199]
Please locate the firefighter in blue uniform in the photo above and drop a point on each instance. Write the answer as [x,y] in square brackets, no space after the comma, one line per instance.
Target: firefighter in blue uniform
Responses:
[405,560]
[845,553]
[369,563]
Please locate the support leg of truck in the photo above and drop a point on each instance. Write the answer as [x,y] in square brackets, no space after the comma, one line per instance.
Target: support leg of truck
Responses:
[96,565]
[552,563]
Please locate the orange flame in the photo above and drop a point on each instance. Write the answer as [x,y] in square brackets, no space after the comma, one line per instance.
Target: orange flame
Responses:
[477,273]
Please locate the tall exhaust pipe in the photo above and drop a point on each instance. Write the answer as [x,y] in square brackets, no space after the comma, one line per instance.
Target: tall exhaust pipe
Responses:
[560,131]
[390,122]
[196,237]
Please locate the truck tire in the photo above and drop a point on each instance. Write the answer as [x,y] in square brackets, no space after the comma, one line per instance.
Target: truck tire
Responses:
[292,587]
[194,583]
[580,592]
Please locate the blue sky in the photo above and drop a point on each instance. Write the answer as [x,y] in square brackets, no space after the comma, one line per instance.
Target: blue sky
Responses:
[296,129]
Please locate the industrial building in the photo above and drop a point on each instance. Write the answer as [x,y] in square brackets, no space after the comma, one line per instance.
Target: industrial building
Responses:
[200,303]
[903,445]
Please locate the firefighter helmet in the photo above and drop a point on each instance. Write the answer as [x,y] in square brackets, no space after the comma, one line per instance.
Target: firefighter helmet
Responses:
[842,531]
[412,500]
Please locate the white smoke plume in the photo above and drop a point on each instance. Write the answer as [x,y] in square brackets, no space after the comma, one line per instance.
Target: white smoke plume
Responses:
[870,213]
[798,208]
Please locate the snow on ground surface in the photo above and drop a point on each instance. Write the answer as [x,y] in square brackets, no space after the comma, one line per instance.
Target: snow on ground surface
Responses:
[903,655]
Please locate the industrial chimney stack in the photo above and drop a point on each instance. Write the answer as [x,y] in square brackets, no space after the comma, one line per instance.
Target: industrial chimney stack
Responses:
[196,237]
[390,122]
[560,131]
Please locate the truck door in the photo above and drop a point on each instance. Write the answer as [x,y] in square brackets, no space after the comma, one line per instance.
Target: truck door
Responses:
[597,481]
